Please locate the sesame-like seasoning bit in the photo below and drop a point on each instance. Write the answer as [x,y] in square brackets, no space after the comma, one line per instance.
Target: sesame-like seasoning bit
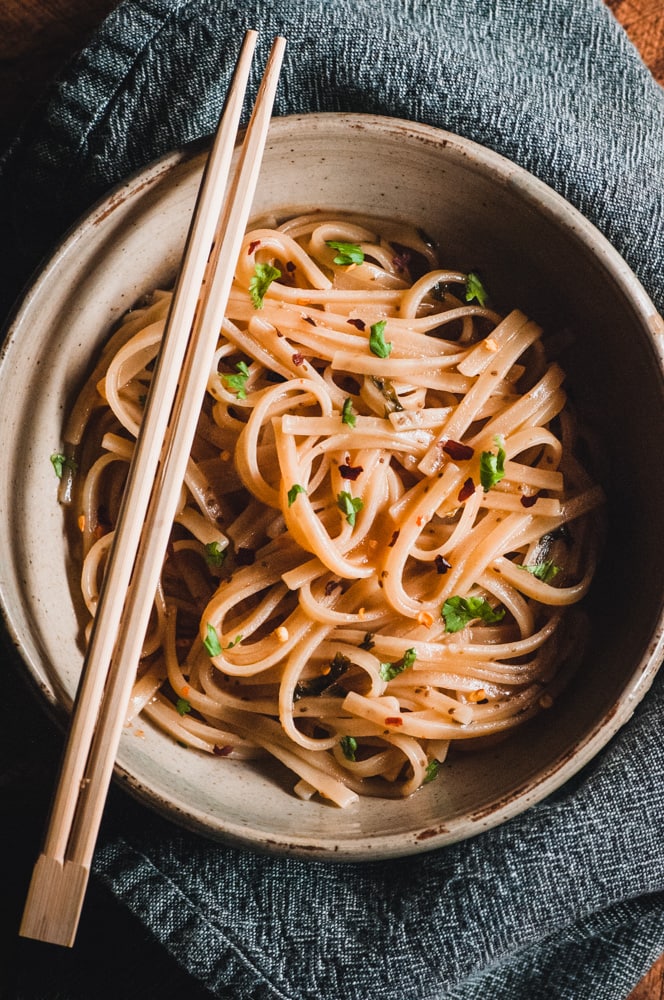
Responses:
[225,456]
[546,701]
[491,345]
[362,614]
[478,695]
[281,633]
[426,619]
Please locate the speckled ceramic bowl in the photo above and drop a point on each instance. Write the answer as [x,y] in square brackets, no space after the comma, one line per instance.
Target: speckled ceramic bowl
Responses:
[539,254]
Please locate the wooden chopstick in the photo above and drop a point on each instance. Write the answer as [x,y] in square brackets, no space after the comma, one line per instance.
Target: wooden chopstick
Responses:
[150,500]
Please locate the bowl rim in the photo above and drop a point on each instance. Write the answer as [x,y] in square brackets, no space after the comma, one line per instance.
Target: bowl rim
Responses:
[564,766]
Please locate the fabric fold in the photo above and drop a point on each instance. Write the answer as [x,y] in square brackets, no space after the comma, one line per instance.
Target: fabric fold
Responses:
[566,899]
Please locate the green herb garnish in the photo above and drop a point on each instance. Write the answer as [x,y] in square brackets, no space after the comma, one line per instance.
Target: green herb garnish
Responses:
[349,253]
[350,506]
[388,671]
[211,641]
[475,290]
[61,463]
[347,415]
[293,492]
[492,467]
[263,276]
[460,611]
[214,554]
[431,771]
[348,746]
[237,383]
[236,642]
[544,571]
[182,706]
[377,342]
[388,393]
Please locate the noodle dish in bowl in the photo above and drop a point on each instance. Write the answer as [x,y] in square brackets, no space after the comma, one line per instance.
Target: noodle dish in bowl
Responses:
[386,618]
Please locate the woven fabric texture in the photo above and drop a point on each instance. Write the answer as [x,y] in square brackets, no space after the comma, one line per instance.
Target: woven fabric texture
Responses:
[566,900]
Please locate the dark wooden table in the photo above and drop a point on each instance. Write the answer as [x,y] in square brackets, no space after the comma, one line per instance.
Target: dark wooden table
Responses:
[36,39]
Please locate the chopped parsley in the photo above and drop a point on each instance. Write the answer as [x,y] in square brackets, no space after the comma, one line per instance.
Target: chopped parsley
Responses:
[544,571]
[293,492]
[475,290]
[236,642]
[460,611]
[347,415]
[237,383]
[214,554]
[377,342]
[349,505]
[431,771]
[211,641]
[348,746]
[182,706]
[263,276]
[492,467]
[388,671]
[348,253]
[61,463]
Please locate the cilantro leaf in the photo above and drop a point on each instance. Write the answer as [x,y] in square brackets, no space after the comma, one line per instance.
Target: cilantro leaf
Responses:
[293,492]
[475,290]
[348,746]
[214,554]
[350,506]
[388,671]
[182,706]
[347,415]
[492,467]
[431,771]
[263,276]
[236,383]
[211,641]
[236,642]
[377,342]
[460,611]
[349,253]
[544,571]
[61,463]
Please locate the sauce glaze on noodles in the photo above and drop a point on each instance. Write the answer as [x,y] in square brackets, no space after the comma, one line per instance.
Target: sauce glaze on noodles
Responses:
[345,589]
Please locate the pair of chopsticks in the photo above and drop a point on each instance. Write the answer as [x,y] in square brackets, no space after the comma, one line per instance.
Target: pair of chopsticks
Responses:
[149,504]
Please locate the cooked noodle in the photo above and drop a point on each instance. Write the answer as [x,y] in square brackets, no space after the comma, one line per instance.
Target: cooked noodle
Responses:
[382,524]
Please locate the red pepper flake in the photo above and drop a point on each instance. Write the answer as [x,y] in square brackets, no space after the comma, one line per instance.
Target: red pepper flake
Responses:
[351,471]
[222,751]
[394,539]
[290,266]
[457,451]
[331,586]
[253,247]
[442,565]
[298,359]
[394,720]
[530,501]
[358,324]
[245,557]
[466,490]
[401,261]
[418,520]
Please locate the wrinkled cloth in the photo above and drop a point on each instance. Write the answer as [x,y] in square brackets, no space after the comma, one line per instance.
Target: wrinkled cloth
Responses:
[566,900]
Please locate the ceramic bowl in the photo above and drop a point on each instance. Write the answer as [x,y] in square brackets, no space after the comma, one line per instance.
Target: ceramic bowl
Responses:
[539,255]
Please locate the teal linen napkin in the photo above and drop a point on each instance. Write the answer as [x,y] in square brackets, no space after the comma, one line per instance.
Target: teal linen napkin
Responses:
[566,900]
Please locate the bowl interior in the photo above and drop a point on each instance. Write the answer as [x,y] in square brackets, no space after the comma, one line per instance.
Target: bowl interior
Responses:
[536,253]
